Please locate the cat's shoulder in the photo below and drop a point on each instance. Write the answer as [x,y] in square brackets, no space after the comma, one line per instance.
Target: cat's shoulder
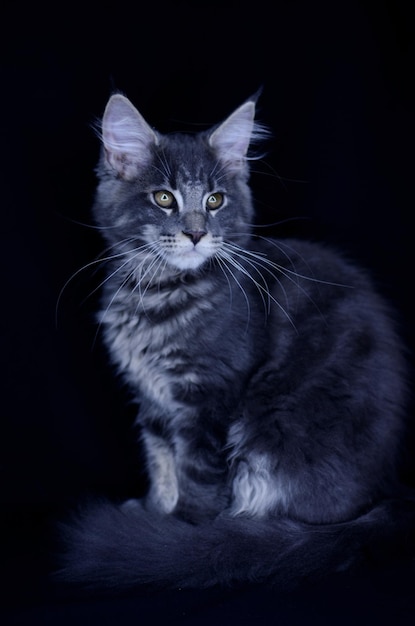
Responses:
[304,253]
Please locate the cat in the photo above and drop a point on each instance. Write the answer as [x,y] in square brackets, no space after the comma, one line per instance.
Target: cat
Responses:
[269,378]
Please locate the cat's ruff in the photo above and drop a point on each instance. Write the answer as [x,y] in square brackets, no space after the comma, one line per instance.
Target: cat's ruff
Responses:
[269,377]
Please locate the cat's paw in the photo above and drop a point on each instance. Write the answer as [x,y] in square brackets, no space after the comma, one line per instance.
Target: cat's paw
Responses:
[132,505]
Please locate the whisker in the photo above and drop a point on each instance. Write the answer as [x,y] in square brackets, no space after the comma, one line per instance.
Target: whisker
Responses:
[223,259]
[281,268]
[260,287]
[260,259]
[157,258]
[219,261]
[125,280]
[96,263]
[130,259]
[85,224]
[218,171]
[242,253]
[302,276]
[165,164]
[105,313]
[263,261]
[280,222]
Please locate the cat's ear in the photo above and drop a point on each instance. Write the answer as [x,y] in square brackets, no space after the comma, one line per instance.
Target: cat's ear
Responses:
[231,139]
[126,136]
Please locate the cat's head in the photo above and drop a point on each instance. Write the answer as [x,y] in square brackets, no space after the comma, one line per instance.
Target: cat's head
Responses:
[180,196]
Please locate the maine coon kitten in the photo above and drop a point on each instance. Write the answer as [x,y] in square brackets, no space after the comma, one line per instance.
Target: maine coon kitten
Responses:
[269,379]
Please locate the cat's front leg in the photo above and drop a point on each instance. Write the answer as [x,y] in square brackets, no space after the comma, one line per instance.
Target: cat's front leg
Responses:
[187,476]
[182,481]
[164,487]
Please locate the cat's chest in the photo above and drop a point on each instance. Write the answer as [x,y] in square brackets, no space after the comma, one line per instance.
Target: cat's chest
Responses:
[153,356]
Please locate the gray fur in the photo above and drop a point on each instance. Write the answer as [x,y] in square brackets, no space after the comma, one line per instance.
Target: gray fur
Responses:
[270,380]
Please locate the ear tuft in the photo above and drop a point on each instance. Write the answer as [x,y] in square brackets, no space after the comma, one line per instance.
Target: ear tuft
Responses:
[232,138]
[126,136]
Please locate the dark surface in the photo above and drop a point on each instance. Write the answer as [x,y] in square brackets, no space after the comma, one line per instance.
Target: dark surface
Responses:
[337,81]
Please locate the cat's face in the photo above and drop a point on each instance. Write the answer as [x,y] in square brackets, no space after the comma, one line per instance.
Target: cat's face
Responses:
[189,218]
[177,199]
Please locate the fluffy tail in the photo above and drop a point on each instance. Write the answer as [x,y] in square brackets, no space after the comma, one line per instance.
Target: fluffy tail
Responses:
[118,548]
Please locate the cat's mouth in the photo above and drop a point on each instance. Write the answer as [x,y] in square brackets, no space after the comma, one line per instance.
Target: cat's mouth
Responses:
[185,254]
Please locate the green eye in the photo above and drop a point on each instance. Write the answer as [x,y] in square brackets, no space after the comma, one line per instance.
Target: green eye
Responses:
[164,199]
[214,201]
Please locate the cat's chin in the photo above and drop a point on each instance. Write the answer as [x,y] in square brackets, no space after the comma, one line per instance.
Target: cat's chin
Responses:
[188,261]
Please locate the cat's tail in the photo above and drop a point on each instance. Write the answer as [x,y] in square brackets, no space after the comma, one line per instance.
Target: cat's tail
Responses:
[116,548]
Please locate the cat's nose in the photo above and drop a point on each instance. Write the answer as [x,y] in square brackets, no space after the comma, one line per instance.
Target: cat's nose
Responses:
[195,235]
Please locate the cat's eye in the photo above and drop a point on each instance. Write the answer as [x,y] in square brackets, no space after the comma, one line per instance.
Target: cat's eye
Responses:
[214,201]
[165,199]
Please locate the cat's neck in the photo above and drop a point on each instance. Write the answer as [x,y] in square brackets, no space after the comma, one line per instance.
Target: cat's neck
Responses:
[161,291]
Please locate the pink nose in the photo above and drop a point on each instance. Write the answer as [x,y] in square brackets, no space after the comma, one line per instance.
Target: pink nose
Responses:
[194,235]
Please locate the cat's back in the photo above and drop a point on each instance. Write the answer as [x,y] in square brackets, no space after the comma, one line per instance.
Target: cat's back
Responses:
[324,306]
[311,275]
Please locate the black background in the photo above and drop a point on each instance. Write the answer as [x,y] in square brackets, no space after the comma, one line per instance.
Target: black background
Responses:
[337,84]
